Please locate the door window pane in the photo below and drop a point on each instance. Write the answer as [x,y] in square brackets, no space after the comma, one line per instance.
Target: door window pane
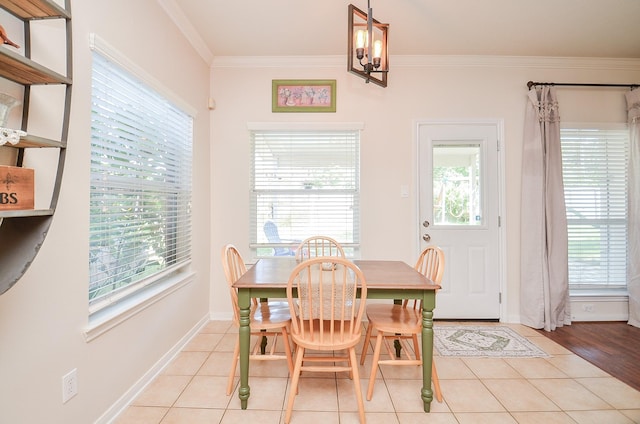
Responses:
[456,184]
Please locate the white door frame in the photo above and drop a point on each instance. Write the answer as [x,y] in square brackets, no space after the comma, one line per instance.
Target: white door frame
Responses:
[499,124]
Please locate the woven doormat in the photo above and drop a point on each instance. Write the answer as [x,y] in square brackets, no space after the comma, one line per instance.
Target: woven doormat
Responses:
[484,341]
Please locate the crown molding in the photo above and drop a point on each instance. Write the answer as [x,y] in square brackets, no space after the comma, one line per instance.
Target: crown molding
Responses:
[178,17]
[427,61]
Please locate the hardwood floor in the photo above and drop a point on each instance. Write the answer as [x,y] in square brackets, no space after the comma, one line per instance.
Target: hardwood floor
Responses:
[612,346]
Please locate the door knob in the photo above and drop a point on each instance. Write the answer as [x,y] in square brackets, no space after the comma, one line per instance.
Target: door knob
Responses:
[426,237]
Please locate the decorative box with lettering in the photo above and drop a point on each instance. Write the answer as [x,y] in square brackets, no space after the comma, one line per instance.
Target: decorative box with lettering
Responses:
[16,188]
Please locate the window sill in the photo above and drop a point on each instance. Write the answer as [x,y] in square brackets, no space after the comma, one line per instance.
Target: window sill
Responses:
[116,314]
[599,295]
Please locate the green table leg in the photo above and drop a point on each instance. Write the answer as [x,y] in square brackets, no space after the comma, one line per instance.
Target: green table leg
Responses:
[396,343]
[428,305]
[263,343]
[244,333]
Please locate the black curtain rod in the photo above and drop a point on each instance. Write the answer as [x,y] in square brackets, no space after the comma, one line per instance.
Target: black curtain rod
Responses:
[532,83]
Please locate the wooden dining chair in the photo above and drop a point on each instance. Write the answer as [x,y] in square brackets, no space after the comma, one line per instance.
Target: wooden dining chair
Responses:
[267,319]
[326,317]
[318,246]
[398,324]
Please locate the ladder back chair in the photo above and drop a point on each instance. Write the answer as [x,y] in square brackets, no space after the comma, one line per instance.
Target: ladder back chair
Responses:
[397,324]
[318,246]
[326,317]
[267,319]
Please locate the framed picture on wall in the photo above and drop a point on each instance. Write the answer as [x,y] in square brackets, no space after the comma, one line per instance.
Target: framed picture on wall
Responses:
[303,96]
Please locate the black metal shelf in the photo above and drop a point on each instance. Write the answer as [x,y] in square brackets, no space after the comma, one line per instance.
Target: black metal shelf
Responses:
[22,232]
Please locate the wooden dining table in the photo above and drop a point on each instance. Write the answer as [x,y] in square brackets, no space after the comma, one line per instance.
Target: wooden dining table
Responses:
[395,280]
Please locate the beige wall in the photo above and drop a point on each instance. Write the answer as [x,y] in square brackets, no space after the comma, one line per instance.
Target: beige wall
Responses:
[43,317]
[431,88]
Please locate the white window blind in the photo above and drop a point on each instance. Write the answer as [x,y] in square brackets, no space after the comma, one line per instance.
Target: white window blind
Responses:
[140,195]
[304,183]
[595,185]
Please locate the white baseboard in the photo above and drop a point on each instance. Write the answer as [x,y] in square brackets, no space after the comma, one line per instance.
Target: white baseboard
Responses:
[599,308]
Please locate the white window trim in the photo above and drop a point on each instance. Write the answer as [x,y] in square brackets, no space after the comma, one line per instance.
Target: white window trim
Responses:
[598,294]
[167,283]
[312,126]
[118,313]
[309,126]
[105,49]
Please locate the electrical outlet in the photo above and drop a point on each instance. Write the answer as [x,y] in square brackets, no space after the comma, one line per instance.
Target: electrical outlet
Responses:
[69,385]
[588,307]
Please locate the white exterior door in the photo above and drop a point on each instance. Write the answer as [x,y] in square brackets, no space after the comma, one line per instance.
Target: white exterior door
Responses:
[459,206]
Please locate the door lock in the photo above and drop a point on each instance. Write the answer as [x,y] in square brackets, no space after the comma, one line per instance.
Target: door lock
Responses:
[426,224]
[426,237]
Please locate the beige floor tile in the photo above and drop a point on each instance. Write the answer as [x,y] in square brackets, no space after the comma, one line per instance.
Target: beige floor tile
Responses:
[315,394]
[426,418]
[491,368]
[542,417]
[163,391]
[401,372]
[570,395]
[141,415]
[519,395]
[310,417]
[452,369]
[523,330]
[380,401]
[549,346]
[371,417]
[193,416]
[535,368]
[439,407]
[219,327]
[469,396]
[405,395]
[599,417]
[615,392]
[204,392]
[203,342]
[186,363]
[270,368]
[365,369]
[632,414]
[485,418]
[575,367]
[235,416]
[267,393]
[217,363]
[228,342]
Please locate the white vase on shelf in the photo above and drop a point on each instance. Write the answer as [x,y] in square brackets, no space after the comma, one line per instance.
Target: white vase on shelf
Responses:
[8,135]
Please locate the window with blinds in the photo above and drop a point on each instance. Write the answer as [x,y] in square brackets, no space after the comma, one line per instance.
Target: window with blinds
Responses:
[304,183]
[594,170]
[140,195]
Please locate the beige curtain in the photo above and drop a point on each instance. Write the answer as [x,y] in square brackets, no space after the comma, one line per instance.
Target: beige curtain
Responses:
[544,280]
[633,216]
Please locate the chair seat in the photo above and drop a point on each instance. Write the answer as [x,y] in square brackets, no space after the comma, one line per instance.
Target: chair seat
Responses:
[341,338]
[394,318]
[269,315]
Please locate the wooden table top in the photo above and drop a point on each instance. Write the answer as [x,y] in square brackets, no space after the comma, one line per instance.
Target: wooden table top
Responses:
[274,273]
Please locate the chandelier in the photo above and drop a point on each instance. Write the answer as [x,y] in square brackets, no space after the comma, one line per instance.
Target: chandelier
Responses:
[368,53]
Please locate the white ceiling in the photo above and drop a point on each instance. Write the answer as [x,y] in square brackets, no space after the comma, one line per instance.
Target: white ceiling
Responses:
[555,28]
